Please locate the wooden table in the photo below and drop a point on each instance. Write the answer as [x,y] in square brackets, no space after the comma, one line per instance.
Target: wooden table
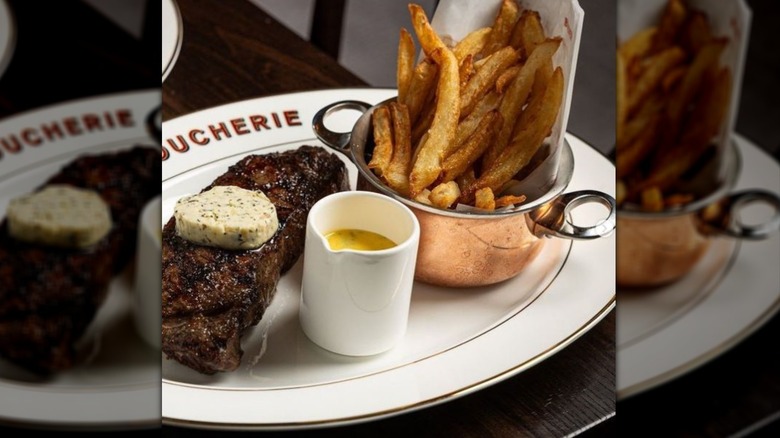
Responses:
[71,61]
[233,51]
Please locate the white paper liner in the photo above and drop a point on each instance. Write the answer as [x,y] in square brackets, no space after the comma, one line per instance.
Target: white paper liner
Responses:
[457,18]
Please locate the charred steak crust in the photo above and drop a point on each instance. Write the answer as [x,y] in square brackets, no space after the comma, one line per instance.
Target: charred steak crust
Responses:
[210,296]
[48,296]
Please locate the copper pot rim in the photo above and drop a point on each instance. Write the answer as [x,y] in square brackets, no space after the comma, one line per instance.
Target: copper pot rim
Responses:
[723,219]
[734,160]
[561,182]
[548,213]
[355,150]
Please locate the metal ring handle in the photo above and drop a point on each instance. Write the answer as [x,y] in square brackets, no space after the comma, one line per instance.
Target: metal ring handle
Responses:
[336,140]
[154,123]
[552,219]
[722,217]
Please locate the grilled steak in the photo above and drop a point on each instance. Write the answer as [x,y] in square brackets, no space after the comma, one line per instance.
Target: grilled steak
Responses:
[210,296]
[48,296]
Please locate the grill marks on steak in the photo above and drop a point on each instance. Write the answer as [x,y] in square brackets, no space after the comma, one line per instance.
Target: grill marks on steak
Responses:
[210,296]
[48,296]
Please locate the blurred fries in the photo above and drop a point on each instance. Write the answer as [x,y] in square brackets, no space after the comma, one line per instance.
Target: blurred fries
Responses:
[468,116]
[672,98]
[652,200]
[671,21]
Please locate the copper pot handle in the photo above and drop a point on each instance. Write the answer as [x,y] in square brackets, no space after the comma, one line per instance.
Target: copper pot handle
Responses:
[336,140]
[553,218]
[722,218]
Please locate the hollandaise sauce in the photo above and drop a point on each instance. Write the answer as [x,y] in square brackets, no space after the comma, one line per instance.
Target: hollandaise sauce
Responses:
[360,240]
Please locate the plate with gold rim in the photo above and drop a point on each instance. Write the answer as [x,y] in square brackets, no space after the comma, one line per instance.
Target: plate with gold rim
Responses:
[668,331]
[171,36]
[7,36]
[116,384]
[458,340]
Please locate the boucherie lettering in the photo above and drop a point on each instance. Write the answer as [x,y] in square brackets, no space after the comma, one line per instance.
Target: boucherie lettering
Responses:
[218,131]
[52,131]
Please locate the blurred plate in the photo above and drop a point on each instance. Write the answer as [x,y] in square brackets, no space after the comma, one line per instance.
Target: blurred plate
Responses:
[666,332]
[7,36]
[458,340]
[171,36]
[118,387]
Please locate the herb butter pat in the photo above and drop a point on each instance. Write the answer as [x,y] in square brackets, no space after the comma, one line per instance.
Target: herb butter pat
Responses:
[226,217]
[59,215]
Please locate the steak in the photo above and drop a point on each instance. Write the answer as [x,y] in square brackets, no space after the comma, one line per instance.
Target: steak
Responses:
[210,296]
[48,296]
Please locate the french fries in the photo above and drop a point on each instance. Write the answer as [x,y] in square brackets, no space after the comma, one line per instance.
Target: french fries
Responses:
[672,99]
[427,167]
[652,199]
[485,199]
[468,116]
[405,69]
[472,44]
[502,27]
[486,77]
[529,138]
[457,163]
[516,96]
[397,173]
[383,141]
[445,194]
[528,33]
[659,66]
[671,21]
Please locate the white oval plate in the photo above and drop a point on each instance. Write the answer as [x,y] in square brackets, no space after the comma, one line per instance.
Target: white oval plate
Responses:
[171,36]
[731,292]
[7,36]
[458,340]
[119,387]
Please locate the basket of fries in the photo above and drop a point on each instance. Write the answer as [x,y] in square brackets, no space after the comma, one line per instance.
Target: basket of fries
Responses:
[473,143]
[679,68]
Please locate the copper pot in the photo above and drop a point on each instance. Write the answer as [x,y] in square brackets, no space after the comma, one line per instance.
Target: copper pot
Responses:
[658,248]
[474,248]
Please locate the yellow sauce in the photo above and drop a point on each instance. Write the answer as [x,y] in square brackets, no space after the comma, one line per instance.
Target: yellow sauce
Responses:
[360,240]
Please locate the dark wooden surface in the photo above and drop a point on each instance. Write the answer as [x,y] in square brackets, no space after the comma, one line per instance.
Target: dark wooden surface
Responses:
[234,51]
[70,51]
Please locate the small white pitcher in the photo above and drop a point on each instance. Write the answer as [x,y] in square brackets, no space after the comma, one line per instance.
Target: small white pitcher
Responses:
[353,302]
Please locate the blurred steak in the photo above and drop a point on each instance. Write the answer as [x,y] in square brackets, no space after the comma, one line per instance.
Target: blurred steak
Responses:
[210,296]
[48,296]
